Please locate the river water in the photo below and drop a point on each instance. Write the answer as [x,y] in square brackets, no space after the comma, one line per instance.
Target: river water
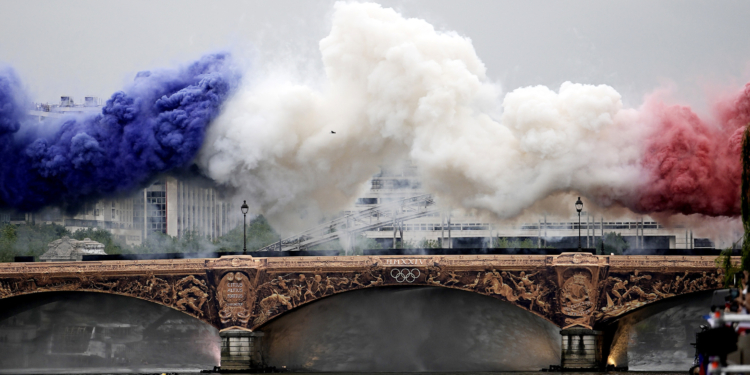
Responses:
[395,330]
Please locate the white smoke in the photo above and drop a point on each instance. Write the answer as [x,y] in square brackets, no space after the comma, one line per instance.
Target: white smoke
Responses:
[396,88]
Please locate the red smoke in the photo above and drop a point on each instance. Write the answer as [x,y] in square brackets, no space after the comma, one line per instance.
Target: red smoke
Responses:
[693,166]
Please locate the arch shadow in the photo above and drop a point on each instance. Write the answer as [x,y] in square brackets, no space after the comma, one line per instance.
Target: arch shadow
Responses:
[617,331]
[57,293]
[278,308]
[410,328]
[186,293]
[84,331]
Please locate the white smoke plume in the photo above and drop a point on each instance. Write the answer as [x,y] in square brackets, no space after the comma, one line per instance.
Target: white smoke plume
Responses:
[396,88]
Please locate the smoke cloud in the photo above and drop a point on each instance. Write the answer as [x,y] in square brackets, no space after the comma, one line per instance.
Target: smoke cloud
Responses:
[694,165]
[12,105]
[392,88]
[155,125]
[396,88]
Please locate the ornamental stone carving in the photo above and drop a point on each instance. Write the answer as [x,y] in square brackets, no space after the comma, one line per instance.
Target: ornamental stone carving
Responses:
[572,289]
[577,293]
[235,297]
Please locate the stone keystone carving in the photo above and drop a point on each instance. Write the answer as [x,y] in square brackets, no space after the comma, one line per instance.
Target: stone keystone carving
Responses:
[235,296]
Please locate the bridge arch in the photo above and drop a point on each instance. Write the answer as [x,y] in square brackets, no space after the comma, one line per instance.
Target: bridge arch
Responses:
[82,330]
[113,293]
[279,293]
[284,310]
[679,315]
[410,328]
[185,293]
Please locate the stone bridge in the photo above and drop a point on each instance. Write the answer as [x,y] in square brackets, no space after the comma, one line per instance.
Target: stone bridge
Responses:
[578,291]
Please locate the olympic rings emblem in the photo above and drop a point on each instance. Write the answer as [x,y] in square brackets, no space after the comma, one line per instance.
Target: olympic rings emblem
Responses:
[408,275]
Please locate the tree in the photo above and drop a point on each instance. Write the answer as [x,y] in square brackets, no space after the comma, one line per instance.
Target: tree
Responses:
[725,259]
[160,243]
[7,240]
[28,239]
[412,244]
[102,236]
[506,243]
[259,234]
[613,244]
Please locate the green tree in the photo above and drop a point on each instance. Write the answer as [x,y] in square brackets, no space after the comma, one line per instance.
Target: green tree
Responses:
[7,240]
[725,260]
[33,240]
[259,234]
[189,242]
[28,239]
[428,244]
[363,243]
[744,203]
[506,243]
[413,244]
[613,244]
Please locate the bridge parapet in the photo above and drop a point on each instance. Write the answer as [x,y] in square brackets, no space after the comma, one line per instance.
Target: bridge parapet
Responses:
[570,289]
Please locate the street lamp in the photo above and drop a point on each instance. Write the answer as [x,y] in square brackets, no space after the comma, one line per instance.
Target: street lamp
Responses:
[244,209]
[579,208]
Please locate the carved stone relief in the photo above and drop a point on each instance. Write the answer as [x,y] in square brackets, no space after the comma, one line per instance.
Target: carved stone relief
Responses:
[279,293]
[577,293]
[569,289]
[235,296]
[622,292]
[186,293]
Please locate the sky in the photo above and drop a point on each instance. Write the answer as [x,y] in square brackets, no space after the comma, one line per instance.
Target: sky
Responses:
[693,48]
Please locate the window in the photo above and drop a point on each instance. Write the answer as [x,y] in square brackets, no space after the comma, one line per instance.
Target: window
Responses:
[156,206]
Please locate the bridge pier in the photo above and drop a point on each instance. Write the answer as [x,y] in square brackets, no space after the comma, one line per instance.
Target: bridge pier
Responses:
[241,350]
[582,348]
[616,343]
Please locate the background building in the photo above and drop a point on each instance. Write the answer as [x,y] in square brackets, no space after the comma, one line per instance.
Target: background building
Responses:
[169,206]
[469,231]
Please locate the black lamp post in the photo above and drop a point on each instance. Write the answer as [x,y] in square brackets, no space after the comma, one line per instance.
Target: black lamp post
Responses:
[579,208]
[244,209]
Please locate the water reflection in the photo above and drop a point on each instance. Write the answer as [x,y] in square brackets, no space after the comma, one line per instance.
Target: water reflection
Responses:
[411,329]
[97,333]
[661,342]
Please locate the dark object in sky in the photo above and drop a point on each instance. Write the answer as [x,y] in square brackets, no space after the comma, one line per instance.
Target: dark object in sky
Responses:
[333,132]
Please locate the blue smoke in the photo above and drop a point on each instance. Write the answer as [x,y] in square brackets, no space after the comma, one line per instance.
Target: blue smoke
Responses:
[154,126]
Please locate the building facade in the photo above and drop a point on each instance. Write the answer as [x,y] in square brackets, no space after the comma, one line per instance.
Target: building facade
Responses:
[169,206]
[454,229]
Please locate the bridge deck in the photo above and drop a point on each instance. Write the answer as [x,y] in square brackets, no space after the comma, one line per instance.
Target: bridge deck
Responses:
[570,289]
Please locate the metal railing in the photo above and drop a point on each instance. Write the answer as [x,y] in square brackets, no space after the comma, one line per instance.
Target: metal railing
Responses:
[392,213]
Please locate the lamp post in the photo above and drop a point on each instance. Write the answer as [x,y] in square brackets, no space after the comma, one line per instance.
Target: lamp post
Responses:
[244,209]
[579,208]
